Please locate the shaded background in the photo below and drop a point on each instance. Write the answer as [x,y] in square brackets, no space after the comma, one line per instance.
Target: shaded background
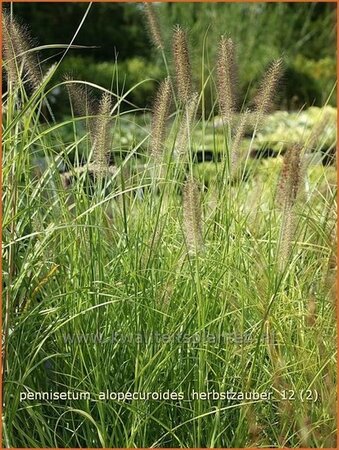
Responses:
[305,34]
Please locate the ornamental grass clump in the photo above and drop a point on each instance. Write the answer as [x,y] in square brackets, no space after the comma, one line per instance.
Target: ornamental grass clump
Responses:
[194,279]
[99,127]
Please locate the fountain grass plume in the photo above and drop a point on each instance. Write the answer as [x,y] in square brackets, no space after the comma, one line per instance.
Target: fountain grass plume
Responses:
[263,100]
[102,137]
[16,44]
[10,59]
[153,25]
[290,176]
[160,114]
[185,130]
[286,197]
[235,158]
[83,103]
[226,78]
[182,64]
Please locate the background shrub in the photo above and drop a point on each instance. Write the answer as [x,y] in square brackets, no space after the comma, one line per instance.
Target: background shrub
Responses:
[117,76]
[116,32]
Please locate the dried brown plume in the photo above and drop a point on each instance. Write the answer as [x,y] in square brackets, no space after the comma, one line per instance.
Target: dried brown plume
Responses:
[182,64]
[226,78]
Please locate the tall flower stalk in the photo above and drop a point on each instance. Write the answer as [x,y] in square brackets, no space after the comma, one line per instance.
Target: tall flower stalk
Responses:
[153,26]
[182,64]
[17,55]
[161,110]
[287,192]
[226,79]
[264,98]
[181,149]
[102,137]
[192,217]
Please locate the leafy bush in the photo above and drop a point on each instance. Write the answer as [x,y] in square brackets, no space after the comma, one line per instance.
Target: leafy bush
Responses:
[315,80]
[308,43]
[110,27]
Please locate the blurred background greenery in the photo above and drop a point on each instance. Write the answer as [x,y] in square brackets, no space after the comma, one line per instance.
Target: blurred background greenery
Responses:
[121,54]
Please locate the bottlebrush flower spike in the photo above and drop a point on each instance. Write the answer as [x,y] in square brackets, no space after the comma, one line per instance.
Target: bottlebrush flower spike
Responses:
[226,78]
[186,125]
[182,64]
[160,114]
[153,25]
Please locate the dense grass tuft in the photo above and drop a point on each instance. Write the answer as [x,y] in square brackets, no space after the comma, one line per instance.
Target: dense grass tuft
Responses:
[164,282]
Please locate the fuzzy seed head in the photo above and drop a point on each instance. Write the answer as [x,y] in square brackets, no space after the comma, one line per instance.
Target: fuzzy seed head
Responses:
[186,125]
[236,143]
[101,150]
[286,237]
[290,177]
[67,178]
[83,103]
[192,217]
[31,61]
[161,110]
[264,98]
[226,78]
[287,195]
[8,51]
[182,64]
[153,25]
[16,46]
